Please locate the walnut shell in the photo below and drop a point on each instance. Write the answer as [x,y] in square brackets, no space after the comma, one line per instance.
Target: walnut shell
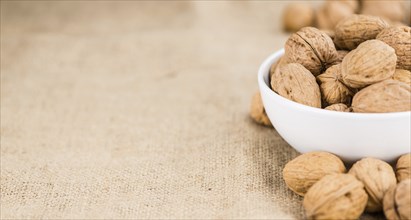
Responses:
[386,96]
[336,196]
[402,76]
[341,55]
[257,111]
[311,48]
[354,30]
[339,107]
[392,10]
[303,171]
[377,177]
[373,61]
[397,201]
[329,32]
[333,91]
[398,38]
[296,83]
[297,16]
[331,13]
[403,167]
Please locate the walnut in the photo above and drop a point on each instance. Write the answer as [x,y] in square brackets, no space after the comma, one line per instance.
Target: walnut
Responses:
[399,38]
[296,83]
[352,31]
[311,48]
[257,111]
[377,177]
[403,167]
[386,96]
[332,12]
[373,61]
[305,170]
[339,107]
[297,16]
[392,10]
[333,91]
[335,196]
[402,76]
[397,201]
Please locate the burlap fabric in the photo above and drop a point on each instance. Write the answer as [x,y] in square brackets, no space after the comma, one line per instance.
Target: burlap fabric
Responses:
[138,110]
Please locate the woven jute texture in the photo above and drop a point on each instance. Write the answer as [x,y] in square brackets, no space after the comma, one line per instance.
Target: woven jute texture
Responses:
[125,110]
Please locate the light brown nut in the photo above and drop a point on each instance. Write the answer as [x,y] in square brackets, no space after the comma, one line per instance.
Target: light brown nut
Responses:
[403,167]
[354,30]
[311,48]
[341,55]
[333,91]
[402,76]
[331,13]
[398,38]
[373,61]
[305,170]
[397,201]
[377,177]
[336,196]
[393,10]
[296,83]
[297,16]
[386,96]
[339,107]
[329,32]
[257,111]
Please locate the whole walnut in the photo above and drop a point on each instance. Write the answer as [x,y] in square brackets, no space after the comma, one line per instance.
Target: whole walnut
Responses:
[397,201]
[296,83]
[333,91]
[402,76]
[352,31]
[392,10]
[331,13]
[377,177]
[403,167]
[386,96]
[339,107]
[311,48]
[373,61]
[257,111]
[297,16]
[399,38]
[303,171]
[335,196]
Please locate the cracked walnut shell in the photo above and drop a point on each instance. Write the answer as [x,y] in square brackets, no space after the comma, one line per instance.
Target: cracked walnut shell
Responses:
[336,196]
[397,201]
[386,96]
[377,177]
[296,83]
[303,171]
[373,61]
[311,48]
[403,167]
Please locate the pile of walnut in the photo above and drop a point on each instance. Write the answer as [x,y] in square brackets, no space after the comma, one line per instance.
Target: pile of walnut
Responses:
[370,185]
[326,16]
[363,66]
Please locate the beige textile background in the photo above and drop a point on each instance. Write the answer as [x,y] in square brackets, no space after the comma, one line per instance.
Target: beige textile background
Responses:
[138,110]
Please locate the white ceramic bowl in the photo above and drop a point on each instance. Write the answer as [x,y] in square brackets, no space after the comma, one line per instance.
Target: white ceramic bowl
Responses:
[351,136]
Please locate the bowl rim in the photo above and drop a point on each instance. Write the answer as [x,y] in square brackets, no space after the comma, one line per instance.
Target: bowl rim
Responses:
[262,73]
